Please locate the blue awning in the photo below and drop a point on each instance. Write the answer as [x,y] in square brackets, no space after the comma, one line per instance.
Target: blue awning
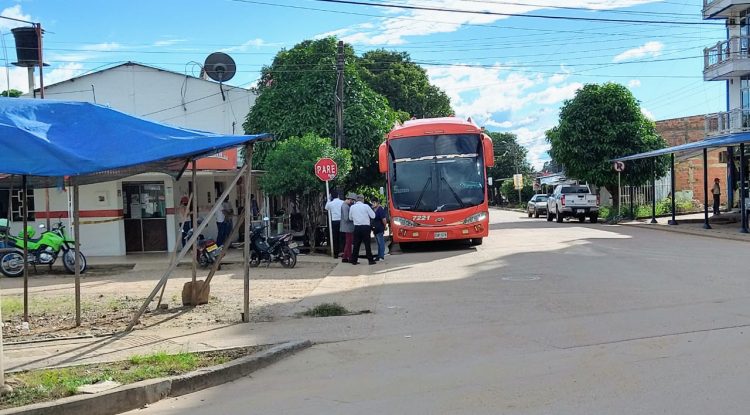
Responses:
[722,141]
[47,138]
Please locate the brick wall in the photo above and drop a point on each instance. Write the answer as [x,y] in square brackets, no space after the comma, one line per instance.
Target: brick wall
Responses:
[689,173]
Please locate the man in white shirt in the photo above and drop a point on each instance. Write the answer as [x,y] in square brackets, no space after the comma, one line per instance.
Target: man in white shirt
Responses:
[334,209]
[223,223]
[362,215]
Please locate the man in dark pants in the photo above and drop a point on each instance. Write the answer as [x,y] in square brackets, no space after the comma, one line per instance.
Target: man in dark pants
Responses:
[362,215]
[334,209]
[716,191]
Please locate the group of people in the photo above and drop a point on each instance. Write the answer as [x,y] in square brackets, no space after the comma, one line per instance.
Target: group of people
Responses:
[223,221]
[352,222]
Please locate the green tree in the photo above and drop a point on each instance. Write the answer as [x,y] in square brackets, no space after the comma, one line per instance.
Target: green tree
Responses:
[13,93]
[552,166]
[404,83]
[510,157]
[600,123]
[297,179]
[511,194]
[297,97]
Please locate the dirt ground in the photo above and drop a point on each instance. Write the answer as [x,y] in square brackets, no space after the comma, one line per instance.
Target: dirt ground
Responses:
[110,297]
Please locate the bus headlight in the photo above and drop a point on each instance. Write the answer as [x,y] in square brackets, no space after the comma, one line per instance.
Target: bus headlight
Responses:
[403,222]
[475,218]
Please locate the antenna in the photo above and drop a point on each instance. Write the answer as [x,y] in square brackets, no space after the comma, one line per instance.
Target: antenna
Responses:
[220,67]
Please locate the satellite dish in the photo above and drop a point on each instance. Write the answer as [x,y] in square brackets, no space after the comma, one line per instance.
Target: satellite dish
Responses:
[220,67]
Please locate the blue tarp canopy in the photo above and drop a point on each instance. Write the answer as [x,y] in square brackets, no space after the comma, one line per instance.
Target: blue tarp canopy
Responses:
[54,139]
[722,141]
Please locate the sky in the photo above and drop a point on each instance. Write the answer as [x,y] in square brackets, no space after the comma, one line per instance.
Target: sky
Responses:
[509,66]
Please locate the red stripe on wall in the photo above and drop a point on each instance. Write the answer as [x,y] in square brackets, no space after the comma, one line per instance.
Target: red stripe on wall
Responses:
[104,213]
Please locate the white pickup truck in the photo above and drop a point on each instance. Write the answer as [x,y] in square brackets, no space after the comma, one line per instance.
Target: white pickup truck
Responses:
[573,200]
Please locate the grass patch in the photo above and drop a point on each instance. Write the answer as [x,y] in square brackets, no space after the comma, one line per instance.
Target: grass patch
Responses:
[326,310]
[49,384]
[12,305]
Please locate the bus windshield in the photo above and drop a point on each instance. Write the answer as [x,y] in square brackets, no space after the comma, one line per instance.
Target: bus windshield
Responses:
[436,173]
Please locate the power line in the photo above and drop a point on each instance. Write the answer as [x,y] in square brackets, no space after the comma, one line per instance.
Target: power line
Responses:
[527,15]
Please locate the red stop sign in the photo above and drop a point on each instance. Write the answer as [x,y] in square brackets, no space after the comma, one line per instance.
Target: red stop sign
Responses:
[326,169]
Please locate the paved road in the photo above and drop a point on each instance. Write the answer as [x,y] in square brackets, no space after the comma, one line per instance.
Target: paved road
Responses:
[544,318]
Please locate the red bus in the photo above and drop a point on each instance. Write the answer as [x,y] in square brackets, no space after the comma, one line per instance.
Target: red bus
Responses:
[437,180]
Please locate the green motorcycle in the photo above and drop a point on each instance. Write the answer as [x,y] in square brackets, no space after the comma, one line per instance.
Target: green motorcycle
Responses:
[42,251]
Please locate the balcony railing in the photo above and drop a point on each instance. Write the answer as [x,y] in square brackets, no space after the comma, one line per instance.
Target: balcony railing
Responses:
[735,48]
[707,3]
[722,123]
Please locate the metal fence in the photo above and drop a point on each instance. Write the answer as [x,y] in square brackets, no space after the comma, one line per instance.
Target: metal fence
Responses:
[645,194]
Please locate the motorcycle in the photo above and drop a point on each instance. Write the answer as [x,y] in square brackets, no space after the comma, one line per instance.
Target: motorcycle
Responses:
[278,248]
[208,251]
[42,251]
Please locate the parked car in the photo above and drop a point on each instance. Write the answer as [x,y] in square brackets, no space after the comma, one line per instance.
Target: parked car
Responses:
[537,206]
[573,200]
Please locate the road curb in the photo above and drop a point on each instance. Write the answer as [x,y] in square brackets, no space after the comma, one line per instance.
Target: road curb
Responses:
[663,228]
[137,395]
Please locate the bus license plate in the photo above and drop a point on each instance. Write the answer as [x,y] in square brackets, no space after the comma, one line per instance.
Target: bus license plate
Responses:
[211,247]
[441,235]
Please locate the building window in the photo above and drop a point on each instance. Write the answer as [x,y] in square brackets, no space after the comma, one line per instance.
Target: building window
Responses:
[16,202]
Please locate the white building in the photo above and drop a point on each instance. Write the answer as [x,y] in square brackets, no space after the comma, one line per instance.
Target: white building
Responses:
[137,214]
[729,61]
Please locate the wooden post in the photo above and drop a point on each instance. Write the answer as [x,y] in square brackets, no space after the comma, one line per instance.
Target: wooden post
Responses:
[178,238]
[25,213]
[77,247]
[195,240]
[246,245]
[706,225]
[185,249]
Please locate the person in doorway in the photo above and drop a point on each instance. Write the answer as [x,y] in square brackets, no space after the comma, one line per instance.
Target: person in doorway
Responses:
[223,223]
[254,206]
[716,191]
[362,215]
[346,227]
[379,224]
[334,209]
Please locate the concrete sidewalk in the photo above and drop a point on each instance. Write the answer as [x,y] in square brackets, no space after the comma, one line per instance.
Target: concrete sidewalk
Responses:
[722,226]
[355,287]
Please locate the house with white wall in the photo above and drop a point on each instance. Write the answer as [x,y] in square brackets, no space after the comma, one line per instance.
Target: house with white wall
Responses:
[138,213]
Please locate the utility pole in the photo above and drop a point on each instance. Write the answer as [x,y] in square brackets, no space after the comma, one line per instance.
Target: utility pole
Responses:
[340,139]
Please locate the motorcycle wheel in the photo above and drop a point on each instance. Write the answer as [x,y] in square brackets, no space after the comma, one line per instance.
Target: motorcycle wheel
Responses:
[288,257]
[254,259]
[69,261]
[11,264]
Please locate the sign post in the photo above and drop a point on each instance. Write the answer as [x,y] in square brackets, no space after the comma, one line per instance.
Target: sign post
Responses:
[619,167]
[326,170]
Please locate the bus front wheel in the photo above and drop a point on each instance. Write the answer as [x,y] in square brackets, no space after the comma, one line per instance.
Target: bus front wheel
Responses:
[476,241]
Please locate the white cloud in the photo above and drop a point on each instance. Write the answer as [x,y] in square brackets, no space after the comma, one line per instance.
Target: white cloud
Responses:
[555,94]
[648,114]
[19,78]
[634,83]
[167,42]
[249,45]
[405,23]
[101,47]
[652,49]
[13,12]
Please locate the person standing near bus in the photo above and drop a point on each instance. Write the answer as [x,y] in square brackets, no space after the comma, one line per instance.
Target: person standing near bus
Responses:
[378,227]
[334,209]
[347,228]
[362,215]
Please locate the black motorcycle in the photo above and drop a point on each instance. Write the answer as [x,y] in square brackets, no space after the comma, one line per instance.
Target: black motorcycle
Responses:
[278,248]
